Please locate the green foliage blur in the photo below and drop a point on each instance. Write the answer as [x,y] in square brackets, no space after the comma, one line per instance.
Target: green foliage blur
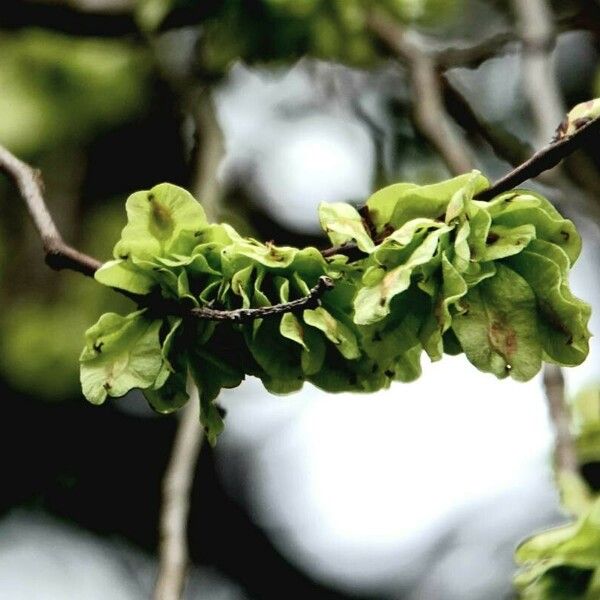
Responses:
[57,89]
[286,30]
[58,94]
[40,338]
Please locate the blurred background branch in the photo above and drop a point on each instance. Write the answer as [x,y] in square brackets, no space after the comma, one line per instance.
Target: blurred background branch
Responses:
[429,112]
[176,489]
[537,32]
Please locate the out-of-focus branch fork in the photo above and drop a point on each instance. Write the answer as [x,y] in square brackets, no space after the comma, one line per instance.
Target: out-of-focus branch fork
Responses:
[428,106]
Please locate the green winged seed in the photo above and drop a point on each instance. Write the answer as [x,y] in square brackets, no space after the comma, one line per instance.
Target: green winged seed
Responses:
[277,356]
[373,303]
[124,275]
[562,559]
[562,317]
[168,348]
[548,225]
[156,218]
[343,224]
[211,374]
[578,116]
[336,332]
[498,327]
[269,255]
[505,241]
[408,365]
[479,227]
[431,201]
[453,288]
[170,396]
[291,329]
[381,204]
[121,353]
[313,354]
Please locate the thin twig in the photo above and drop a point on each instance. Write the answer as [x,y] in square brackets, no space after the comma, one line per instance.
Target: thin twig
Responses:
[176,487]
[311,300]
[472,56]
[429,113]
[543,160]
[58,254]
[504,144]
[540,86]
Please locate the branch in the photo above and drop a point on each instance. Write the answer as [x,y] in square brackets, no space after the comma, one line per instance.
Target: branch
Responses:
[543,160]
[178,478]
[249,314]
[429,113]
[537,34]
[514,151]
[210,149]
[565,454]
[504,144]
[472,56]
[349,249]
[58,254]
[176,486]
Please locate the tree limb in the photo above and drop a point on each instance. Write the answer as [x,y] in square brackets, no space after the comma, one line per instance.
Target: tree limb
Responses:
[58,254]
[176,487]
[179,476]
[543,160]
[249,314]
[505,145]
[472,56]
